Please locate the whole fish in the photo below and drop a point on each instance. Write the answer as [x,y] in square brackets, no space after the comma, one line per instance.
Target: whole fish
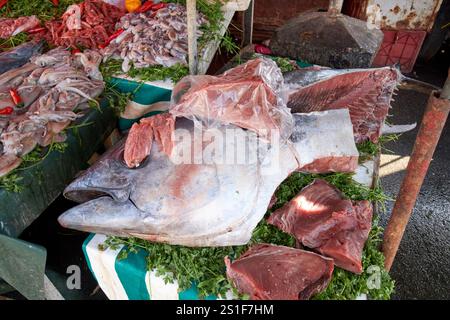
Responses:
[19,56]
[204,201]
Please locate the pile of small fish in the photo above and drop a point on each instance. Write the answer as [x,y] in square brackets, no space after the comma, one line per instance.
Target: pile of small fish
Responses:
[155,37]
[10,27]
[40,99]
[88,24]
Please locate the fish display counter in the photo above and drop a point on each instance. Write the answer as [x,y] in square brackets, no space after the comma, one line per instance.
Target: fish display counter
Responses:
[128,278]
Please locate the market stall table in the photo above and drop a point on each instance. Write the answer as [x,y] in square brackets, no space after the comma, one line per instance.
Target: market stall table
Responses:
[23,263]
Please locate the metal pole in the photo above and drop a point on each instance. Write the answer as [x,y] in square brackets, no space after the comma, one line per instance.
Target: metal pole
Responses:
[191,9]
[433,122]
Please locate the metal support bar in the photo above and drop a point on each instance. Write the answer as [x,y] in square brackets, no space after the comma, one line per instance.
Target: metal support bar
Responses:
[433,122]
[191,9]
[248,24]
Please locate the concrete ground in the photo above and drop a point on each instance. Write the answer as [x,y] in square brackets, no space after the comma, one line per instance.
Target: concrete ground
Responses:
[421,268]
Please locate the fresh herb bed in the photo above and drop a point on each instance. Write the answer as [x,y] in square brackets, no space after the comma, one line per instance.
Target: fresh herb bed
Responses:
[43,9]
[113,67]
[205,266]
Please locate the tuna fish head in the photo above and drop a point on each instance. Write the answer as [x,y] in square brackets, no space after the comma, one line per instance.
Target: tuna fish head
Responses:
[195,204]
[109,176]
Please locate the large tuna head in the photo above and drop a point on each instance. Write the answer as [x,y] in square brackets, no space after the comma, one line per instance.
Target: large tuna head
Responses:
[209,203]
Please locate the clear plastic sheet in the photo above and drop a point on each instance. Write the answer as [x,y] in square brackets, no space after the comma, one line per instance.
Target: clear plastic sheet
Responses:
[249,96]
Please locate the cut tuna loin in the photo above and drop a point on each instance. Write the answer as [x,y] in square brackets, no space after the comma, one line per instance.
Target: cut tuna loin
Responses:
[365,92]
[324,142]
[270,272]
[140,138]
[346,246]
[321,218]
[246,96]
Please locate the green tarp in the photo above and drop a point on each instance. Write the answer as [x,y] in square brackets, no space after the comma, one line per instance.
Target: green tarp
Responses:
[22,264]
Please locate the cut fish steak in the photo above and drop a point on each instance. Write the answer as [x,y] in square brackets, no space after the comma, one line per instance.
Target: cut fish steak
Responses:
[178,200]
[246,96]
[270,272]
[365,92]
[324,142]
[140,138]
[322,219]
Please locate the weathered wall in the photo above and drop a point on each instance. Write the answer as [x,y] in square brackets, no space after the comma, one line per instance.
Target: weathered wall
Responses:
[396,14]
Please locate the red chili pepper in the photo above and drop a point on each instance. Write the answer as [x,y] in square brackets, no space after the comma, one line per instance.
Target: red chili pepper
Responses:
[259,48]
[155,9]
[16,97]
[6,111]
[36,30]
[55,2]
[111,38]
[115,35]
[3,3]
[75,50]
[145,7]
[158,6]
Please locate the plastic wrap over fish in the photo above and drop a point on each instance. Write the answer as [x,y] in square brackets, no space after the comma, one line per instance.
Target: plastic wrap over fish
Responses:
[367,94]
[249,96]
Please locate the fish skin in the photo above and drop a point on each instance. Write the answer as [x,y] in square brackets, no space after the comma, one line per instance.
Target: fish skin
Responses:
[176,203]
[19,56]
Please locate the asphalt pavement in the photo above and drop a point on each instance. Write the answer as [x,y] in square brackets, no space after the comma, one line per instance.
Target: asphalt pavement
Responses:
[422,266]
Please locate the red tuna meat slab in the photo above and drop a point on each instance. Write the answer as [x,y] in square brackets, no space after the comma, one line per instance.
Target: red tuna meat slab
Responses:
[246,96]
[365,92]
[322,219]
[346,247]
[270,272]
[140,138]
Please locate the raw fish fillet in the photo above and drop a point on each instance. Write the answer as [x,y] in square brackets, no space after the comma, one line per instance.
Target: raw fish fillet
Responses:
[367,93]
[321,218]
[270,272]
[140,138]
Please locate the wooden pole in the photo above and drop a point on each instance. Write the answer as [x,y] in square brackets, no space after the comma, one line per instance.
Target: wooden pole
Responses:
[335,7]
[248,24]
[191,8]
[433,122]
